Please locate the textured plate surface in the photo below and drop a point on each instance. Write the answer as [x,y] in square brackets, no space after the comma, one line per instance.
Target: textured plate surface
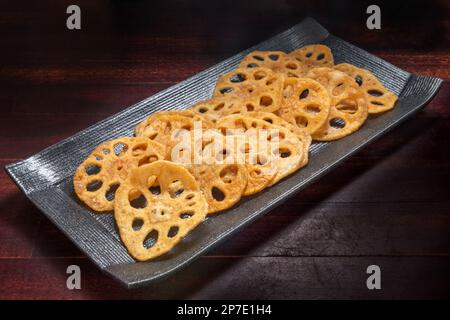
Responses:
[46,178]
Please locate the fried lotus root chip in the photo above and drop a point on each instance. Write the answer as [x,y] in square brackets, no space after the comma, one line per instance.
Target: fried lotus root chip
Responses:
[221,181]
[277,150]
[314,56]
[348,109]
[259,88]
[219,149]
[260,172]
[380,99]
[302,135]
[306,104]
[167,128]
[215,108]
[158,205]
[222,184]
[98,177]
[277,61]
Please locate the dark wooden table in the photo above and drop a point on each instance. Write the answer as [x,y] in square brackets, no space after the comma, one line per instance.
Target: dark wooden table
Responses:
[389,205]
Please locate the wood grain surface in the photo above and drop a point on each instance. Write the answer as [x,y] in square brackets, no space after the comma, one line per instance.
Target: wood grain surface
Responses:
[388,205]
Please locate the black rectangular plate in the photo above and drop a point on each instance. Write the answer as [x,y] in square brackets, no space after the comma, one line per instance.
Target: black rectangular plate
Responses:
[46,178]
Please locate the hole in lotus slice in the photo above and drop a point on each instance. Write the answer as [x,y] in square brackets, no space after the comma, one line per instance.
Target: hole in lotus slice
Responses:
[120,149]
[186,214]
[92,169]
[173,231]
[239,123]
[219,106]
[377,103]
[237,78]
[312,108]
[226,90]
[320,56]
[137,200]
[151,239]
[359,80]
[260,75]
[175,189]
[168,126]
[203,110]
[228,173]
[190,196]
[308,54]
[252,65]
[304,94]
[337,123]
[274,57]
[265,101]
[111,192]
[137,224]
[347,106]
[147,159]
[338,89]
[255,173]
[375,93]
[155,190]
[217,194]
[94,185]
[301,121]
[269,120]
[271,81]
[284,152]
[259,58]
[139,149]
[291,66]
[249,107]
[261,160]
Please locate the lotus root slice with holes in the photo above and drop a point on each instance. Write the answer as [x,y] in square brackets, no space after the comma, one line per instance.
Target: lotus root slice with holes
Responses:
[98,177]
[259,88]
[279,151]
[379,98]
[168,128]
[222,184]
[314,56]
[306,104]
[348,110]
[157,206]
